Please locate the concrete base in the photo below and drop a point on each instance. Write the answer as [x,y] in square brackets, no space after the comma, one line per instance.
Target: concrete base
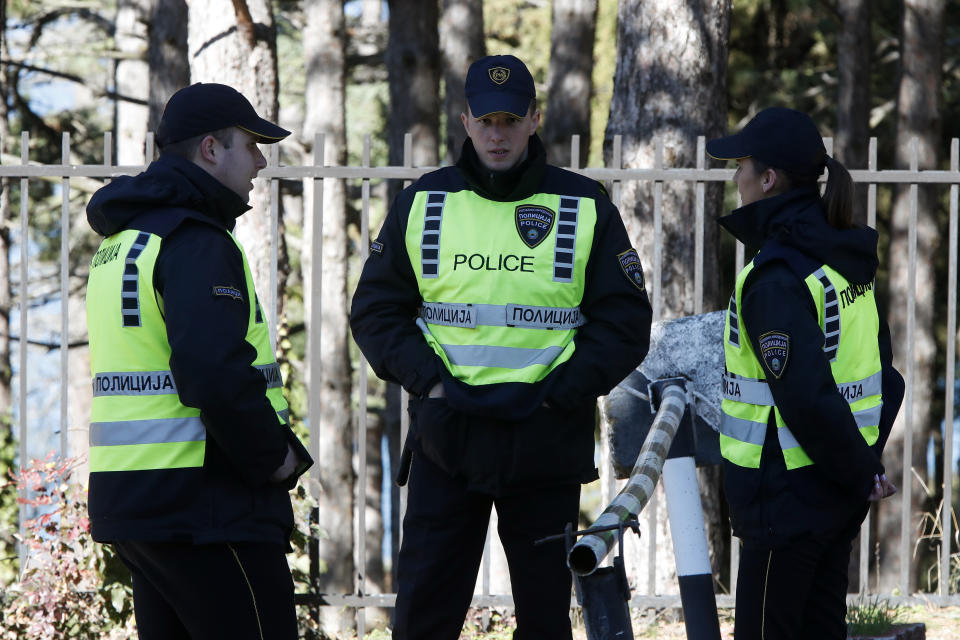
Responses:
[908,631]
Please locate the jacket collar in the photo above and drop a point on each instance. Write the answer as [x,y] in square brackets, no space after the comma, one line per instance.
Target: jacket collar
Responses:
[517,183]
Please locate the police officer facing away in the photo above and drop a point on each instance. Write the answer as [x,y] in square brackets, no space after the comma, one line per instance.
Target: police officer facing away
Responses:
[191,455]
[810,392]
[504,296]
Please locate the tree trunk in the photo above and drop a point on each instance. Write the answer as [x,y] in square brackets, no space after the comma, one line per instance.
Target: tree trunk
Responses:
[461,42]
[323,50]
[238,47]
[670,85]
[853,94]
[413,75]
[918,118]
[132,80]
[166,55]
[413,69]
[570,80]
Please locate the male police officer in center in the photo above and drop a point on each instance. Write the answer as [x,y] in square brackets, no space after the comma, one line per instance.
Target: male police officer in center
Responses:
[504,296]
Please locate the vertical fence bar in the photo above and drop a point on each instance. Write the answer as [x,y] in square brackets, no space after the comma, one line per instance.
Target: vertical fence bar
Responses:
[907,480]
[148,151]
[24,304]
[699,196]
[575,151]
[617,164]
[404,396]
[872,222]
[657,313]
[947,512]
[872,188]
[274,245]
[315,356]
[314,338]
[362,411]
[658,234]
[64,297]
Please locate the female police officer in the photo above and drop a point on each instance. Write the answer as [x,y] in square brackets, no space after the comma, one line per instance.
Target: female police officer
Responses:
[809,390]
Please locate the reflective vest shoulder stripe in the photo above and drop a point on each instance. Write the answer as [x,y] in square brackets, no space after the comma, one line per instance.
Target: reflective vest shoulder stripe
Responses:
[566,240]
[430,239]
[129,293]
[831,316]
[734,337]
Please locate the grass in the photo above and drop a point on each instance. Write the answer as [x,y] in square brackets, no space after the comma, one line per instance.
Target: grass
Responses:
[872,617]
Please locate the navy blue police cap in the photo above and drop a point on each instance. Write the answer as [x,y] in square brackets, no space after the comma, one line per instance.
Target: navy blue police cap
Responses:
[779,137]
[499,84]
[205,107]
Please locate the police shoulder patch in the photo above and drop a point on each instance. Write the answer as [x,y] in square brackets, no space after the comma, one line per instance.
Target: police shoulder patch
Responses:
[229,292]
[376,247]
[775,351]
[630,264]
[533,223]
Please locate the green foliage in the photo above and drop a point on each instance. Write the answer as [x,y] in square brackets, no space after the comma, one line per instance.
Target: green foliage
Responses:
[9,511]
[870,617]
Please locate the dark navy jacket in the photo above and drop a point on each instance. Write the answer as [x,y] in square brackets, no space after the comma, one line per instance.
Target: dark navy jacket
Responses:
[500,436]
[791,237]
[211,362]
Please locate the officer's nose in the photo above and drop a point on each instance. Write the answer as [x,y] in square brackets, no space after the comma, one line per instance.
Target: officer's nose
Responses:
[261,161]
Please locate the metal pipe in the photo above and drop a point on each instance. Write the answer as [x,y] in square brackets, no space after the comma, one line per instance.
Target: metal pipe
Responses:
[587,554]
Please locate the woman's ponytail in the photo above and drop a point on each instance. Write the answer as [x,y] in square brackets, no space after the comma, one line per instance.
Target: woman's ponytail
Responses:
[838,196]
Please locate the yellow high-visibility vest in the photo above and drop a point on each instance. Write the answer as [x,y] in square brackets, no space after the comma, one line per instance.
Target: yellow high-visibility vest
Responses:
[501,282]
[137,421]
[849,321]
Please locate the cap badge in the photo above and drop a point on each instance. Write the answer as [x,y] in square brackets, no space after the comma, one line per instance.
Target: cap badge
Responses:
[533,223]
[499,75]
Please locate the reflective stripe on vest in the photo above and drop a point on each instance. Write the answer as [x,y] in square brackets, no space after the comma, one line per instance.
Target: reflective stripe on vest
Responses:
[137,420]
[464,249]
[854,360]
[498,315]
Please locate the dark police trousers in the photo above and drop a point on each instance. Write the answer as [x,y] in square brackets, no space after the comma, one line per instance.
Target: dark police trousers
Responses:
[795,591]
[182,591]
[443,536]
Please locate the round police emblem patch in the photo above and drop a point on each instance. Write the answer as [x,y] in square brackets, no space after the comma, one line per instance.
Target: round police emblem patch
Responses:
[533,223]
[774,351]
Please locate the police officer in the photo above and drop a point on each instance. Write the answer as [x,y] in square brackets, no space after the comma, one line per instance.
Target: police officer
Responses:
[809,392]
[191,454]
[503,294]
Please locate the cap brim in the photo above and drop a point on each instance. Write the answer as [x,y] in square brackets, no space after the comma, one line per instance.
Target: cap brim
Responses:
[483,104]
[265,131]
[728,148]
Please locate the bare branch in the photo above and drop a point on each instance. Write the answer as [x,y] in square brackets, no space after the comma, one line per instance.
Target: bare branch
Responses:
[74,78]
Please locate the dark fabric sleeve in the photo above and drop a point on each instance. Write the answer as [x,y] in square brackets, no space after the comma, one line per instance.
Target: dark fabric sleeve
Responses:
[774,299]
[384,309]
[211,360]
[893,387]
[616,335]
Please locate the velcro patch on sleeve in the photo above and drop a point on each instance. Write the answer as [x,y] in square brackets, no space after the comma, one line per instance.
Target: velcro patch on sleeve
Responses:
[630,264]
[775,351]
[229,292]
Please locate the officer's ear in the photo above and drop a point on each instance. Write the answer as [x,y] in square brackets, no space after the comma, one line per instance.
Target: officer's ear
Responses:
[206,150]
[768,180]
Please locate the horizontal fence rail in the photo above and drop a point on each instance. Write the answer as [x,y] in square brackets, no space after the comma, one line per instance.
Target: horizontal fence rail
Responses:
[86,178]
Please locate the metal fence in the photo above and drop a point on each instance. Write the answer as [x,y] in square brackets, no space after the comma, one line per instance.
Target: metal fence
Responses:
[90,176]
